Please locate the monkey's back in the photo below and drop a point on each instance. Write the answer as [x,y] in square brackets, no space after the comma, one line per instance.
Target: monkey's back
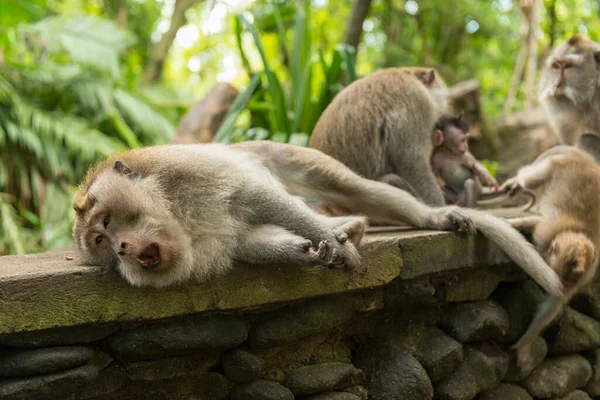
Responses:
[377,112]
[574,190]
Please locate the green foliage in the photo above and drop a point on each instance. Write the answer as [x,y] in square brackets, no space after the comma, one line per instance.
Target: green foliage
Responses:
[286,101]
[63,106]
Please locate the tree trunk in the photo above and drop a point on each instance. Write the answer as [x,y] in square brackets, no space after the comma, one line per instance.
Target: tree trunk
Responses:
[154,69]
[202,120]
[533,22]
[360,10]
[525,6]
[551,11]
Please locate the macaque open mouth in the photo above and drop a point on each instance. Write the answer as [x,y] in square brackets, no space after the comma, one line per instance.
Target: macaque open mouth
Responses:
[149,258]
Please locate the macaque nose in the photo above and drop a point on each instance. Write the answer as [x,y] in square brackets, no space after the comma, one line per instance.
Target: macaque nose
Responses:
[149,257]
[123,247]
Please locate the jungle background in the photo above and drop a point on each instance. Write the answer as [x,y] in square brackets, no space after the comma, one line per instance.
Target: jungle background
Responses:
[83,79]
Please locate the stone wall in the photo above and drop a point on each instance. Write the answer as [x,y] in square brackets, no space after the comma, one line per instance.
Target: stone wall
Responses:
[432,315]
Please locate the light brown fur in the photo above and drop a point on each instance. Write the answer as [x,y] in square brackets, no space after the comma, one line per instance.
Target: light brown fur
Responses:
[566,182]
[380,125]
[208,205]
[568,92]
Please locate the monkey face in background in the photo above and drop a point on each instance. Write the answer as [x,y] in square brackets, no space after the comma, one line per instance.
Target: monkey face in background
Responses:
[569,70]
[123,221]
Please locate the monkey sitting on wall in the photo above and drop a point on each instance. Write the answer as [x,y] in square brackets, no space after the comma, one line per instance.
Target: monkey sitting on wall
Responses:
[460,175]
[569,93]
[166,214]
[566,182]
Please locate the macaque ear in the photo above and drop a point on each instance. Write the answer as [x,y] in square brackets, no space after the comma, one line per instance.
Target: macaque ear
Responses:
[597,57]
[121,168]
[437,137]
[429,77]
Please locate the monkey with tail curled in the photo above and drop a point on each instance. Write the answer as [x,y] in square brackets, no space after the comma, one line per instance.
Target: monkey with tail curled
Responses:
[167,214]
[566,182]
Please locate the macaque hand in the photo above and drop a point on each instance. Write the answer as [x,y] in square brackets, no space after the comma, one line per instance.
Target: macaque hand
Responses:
[512,186]
[490,182]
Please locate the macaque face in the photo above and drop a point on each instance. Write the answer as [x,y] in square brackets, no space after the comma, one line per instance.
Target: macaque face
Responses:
[119,224]
[456,140]
[570,73]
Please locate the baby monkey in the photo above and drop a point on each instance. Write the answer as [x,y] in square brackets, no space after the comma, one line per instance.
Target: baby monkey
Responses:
[460,176]
[567,184]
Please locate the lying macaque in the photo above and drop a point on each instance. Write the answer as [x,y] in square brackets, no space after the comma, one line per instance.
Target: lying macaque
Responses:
[566,182]
[460,176]
[166,214]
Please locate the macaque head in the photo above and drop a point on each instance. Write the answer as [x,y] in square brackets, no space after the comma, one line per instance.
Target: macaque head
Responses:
[571,255]
[452,133]
[122,221]
[433,82]
[570,73]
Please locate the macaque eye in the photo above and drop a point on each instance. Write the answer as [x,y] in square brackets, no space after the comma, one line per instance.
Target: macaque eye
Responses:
[106,220]
[99,239]
[555,65]
[569,66]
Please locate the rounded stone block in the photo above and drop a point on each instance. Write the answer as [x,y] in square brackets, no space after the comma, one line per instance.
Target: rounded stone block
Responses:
[313,379]
[261,390]
[574,395]
[505,391]
[291,324]
[574,332]
[178,338]
[476,321]
[438,353]
[241,366]
[392,374]
[558,376]
[482,369]
[334,396]
[51,386]
[27,362]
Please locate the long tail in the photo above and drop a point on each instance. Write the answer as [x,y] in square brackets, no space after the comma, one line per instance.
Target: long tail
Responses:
[518,249]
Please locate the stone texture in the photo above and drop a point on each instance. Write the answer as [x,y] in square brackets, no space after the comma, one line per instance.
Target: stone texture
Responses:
[483,368]
[240,366]
[438,353]
[334,396]
[505,392]
[593,385]
[359,391]
[392,374]
[573,333]
[46,291]
[171,367]
[59,336]
[476,321]
[538,354]
[574,395]
[313,379]
[520,300]
[470,286]
[307,319]
[109,380]
[51,386]
[178,338]
[27,362]
[558,376]
[261,390]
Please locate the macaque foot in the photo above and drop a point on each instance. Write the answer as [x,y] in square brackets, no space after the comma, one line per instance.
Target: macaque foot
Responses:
[451,219]
[524,358]
[340,235]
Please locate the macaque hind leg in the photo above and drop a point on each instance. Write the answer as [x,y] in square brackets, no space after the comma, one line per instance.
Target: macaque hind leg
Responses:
[273,244]
[547,311]
[471,192]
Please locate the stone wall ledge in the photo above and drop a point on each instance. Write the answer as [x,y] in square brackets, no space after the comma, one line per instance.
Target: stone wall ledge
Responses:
[51,290]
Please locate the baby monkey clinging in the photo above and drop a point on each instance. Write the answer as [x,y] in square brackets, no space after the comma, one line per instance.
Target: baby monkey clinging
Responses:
[460,176]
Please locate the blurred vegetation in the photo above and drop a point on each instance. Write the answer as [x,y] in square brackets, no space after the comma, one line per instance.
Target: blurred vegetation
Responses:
[75,88]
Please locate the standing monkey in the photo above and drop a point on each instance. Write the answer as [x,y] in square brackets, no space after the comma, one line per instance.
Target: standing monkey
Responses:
[459,174]
[568,92]
[380,127]
[166,214]
[567,184]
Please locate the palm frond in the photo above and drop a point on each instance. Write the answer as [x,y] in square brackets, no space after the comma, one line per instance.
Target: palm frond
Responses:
[11,237]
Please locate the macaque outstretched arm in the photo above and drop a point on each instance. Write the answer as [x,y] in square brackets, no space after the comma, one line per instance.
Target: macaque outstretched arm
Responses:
[481,171]
[529,177]
[547,311]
